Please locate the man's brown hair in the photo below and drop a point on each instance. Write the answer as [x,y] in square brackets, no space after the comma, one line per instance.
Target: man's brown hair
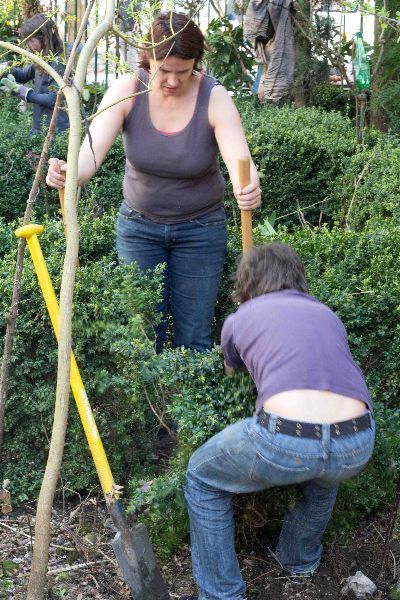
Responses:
[269,268]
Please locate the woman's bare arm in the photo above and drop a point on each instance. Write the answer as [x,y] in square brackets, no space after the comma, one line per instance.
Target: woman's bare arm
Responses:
[225,119]
[103,131]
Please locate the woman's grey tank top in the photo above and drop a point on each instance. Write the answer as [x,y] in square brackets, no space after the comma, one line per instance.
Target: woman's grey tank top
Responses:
[171,177]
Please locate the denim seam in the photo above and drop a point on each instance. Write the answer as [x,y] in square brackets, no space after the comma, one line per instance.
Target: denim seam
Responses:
[345,455]
[281,467]
[206,460]
[311,569]
[209,223]
[354,466]
[284,451]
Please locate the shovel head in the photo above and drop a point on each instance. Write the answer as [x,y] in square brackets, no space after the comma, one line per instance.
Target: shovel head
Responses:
[136,559]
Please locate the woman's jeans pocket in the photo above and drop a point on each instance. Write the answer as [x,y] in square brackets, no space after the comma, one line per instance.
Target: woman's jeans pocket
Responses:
[129,214]
[212,219]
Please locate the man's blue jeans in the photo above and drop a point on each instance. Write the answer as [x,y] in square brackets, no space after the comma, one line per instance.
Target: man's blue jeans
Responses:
[194,254]
[247,457]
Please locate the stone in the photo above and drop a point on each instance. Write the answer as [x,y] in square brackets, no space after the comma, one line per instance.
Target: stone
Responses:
[361,586]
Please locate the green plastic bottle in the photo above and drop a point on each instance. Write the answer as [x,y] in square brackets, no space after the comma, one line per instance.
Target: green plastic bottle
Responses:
[362,73]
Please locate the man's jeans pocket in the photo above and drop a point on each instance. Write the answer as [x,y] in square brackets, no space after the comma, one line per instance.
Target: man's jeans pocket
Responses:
[278,470]
[348,471]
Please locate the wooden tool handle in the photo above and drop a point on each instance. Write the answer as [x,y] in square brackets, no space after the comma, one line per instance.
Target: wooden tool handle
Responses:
[61,194]
[245,215]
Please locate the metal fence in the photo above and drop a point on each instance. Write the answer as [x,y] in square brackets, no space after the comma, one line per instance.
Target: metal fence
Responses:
[112,54]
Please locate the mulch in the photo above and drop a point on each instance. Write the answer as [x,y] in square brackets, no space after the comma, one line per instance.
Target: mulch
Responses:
[82,565]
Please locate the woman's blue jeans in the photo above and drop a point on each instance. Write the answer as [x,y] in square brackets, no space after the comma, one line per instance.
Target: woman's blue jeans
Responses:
[247,457]
[194,254]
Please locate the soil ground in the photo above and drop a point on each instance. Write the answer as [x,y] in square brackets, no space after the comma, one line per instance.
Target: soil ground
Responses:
[82,564]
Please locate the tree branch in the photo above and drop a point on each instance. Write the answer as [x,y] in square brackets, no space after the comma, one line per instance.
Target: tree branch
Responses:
[335,59]
[37,60]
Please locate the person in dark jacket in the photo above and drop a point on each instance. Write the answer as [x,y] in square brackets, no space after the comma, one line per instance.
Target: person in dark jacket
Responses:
[42,38]
[312,426]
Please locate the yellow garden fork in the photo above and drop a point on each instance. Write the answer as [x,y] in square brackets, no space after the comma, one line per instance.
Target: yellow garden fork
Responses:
[132,547]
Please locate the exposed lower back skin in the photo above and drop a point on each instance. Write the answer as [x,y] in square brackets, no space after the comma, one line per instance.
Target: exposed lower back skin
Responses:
[314,406]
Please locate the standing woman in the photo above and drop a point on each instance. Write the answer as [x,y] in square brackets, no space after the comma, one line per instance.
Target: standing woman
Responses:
[42,38]
[173,189]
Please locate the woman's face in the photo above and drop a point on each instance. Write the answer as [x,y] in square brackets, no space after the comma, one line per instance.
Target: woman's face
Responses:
[34,45]
[172,75]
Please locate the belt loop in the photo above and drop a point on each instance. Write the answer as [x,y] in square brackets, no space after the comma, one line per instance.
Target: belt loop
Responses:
[273,425]
[326,434]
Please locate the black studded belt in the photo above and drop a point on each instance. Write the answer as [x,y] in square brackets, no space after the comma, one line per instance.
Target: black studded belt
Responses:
[314,430]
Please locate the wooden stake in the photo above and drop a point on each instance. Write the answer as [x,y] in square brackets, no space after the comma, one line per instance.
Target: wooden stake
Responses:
[245,215]
[61,194]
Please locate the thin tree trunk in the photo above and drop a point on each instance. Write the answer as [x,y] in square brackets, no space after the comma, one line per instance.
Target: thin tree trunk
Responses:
[385,67]
[37,580]
[12,314]
[303,56]
[378,118]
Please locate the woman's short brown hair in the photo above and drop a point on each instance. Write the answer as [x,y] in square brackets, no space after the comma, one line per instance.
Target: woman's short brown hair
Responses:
[187,40]
[269,268]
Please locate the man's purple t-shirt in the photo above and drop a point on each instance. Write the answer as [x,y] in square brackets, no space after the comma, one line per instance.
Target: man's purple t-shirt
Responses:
[288,340]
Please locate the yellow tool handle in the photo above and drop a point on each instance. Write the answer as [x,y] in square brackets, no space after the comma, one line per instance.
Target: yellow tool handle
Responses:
[245,215]
[30,232]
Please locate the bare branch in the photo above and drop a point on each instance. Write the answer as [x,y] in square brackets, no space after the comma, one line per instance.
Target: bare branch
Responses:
[334,57]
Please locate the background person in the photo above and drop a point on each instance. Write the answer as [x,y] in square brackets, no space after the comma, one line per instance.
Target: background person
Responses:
[173,189]
[44,39]
[312,426]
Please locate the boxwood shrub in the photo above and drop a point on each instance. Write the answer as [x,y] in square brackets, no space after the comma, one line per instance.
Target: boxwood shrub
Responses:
[19,154]
[300,153]
[368,191]
[112,305]
[308,160]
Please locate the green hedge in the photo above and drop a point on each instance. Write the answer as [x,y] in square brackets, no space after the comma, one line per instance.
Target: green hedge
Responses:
[300,153]
[308,161]
[113,306]
[19,153]
[334,98]
[368,192]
